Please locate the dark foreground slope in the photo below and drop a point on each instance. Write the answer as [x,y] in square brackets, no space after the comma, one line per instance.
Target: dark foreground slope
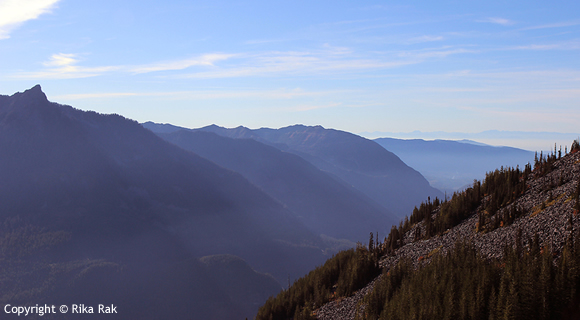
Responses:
[324,205]
[358,162]
[508,247]
[453,165]
[96,209]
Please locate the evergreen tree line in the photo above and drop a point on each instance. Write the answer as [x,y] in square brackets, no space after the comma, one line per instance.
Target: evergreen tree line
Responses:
[499,188]
[544,164]
[533,283]
[342,275]
[351,270]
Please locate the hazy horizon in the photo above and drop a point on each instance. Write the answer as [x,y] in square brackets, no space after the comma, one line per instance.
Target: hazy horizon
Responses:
[400,67]
[526,140]
[530,141]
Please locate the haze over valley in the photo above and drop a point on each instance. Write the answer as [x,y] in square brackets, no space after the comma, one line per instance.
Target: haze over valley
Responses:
[288,160]
[106,197]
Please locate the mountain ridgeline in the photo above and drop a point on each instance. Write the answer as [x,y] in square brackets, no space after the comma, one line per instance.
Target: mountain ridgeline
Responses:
[361,165]
[323,204]
[167,222]
[101,210]
[453,165]
[507,247]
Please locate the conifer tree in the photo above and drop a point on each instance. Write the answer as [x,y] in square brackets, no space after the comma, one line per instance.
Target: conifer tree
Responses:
[575,146]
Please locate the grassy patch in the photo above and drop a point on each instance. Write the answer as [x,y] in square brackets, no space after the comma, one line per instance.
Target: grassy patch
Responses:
[434,251]
[544,205]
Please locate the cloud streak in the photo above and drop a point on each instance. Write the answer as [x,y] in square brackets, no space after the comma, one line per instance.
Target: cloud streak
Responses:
[204,60]
[13,13]
[325,61]
[554,25]
[205,94]
[434,53]
[296,64]
[64,66]
[500,21]
[569,45]
[423,39]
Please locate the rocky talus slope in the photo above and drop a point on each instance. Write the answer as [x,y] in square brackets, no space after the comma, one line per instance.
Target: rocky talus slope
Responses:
[549,206]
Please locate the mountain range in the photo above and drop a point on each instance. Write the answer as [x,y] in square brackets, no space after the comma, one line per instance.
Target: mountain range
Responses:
[453,165]
[169,222]
[207,223]
[351,160]
[527,140]
[324,205]
[101,210]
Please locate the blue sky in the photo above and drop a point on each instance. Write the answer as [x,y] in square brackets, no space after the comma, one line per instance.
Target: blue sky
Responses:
[455,66]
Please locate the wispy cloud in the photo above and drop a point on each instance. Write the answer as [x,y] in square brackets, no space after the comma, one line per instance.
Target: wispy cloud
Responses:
[203,60]
[205,94]
[425,38]
[105,95]
[64,66]
[61,60]
[568,45]
[323,61]
[452,89]
[14,13]
[554,25]
[435,53]
[495,20]
[557,78]
[298,64]
[262,41]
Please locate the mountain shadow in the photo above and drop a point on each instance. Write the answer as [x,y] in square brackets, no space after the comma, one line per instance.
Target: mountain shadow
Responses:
[320,202]
[351,159]
[101,210]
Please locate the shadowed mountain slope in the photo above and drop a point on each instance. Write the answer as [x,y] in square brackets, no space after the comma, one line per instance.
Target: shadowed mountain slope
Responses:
[323,204]
[123,215]
[240,282]
[356,161]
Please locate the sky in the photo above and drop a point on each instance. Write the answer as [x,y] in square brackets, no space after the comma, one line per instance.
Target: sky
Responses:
[358,66]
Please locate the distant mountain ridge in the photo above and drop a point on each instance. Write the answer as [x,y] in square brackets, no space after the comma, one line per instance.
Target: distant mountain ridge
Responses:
[353,160]
[527,140]
[324,205]
[453,165]
[489,134]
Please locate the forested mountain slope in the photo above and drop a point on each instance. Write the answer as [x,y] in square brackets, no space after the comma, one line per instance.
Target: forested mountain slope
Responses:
[358,162]
[96,209]
[324,205]
[506,247]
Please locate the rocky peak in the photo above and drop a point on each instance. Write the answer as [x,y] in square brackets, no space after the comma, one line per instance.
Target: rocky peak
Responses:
[23,100]
[30,110]
[33,94]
